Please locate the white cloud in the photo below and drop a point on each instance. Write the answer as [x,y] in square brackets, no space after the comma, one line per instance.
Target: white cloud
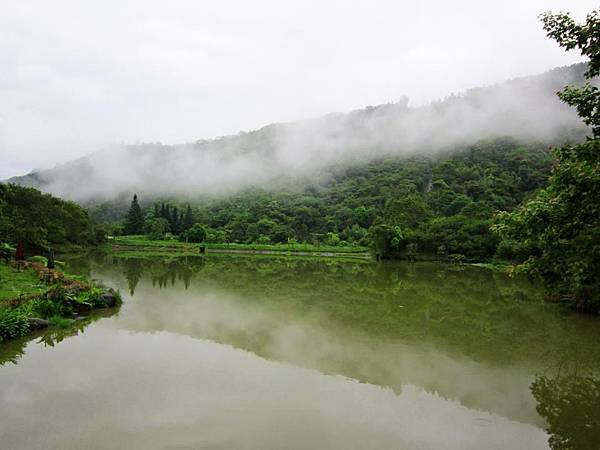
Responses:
[77,76]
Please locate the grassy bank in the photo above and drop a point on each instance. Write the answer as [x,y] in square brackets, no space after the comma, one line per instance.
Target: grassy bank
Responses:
[34,297]
[143,243]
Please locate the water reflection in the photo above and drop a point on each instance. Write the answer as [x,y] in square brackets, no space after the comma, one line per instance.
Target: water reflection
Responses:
[12,351]
[470,335]
[263,352]
[570,402]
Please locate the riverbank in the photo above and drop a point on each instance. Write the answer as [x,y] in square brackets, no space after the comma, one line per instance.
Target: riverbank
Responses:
[33,297]
[142,244]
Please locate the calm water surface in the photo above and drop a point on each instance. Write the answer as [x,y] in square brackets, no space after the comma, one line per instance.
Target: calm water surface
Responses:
[234,352]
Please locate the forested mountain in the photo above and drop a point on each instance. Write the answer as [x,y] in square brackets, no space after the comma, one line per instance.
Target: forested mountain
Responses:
[526,109]
[439,205]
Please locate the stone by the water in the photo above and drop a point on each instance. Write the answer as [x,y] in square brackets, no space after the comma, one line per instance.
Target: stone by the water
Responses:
[36,323]
[109,299]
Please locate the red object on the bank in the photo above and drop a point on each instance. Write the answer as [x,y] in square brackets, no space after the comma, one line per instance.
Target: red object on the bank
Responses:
[20,255]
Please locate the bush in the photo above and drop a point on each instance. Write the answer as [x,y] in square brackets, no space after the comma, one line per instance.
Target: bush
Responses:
[13,324]
[156,229]
[195,234]
[7,251]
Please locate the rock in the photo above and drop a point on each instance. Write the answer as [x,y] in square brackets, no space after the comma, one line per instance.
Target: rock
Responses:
[109,299]
[36,323]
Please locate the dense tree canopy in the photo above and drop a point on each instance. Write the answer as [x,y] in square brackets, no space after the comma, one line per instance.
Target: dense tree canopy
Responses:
[440,204]
[560,227]
[41,219]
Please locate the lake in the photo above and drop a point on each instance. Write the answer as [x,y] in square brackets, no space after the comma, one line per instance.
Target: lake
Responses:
[257,352]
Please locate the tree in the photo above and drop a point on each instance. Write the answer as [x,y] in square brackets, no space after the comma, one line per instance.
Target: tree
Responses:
[188,219]
[134,221]
[195,234]
[156,228]
[174,220]
[385,239]
[561,225]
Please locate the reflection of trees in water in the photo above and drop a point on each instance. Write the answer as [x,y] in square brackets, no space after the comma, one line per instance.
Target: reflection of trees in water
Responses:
[478,312]
[570,403]
[133,273]
[13,350]
[163,272]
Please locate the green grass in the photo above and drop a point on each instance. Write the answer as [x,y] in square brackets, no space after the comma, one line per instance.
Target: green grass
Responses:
[56,302]
[14,282]
[496,266]
[142,241]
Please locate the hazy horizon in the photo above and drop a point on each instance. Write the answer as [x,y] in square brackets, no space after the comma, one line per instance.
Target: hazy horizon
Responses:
[178,74]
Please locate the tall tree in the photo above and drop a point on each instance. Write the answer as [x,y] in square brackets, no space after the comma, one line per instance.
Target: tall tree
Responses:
[134,221]
[188,219]
[561,225]
[174,220]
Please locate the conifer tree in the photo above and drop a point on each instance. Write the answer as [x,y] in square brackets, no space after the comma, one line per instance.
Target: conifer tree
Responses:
[134,221]
[188,219]
[175,220]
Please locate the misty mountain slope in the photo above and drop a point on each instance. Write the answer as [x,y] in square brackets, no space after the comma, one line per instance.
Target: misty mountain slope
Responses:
[443,204]
[525,108]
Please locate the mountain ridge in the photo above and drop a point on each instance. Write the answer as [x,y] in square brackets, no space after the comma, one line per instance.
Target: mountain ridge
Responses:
[525,108]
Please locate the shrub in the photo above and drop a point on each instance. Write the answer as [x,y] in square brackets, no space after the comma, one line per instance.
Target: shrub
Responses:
[13,324]
[195,234]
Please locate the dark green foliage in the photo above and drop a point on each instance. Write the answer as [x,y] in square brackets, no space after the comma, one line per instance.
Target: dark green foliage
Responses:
[41,219]
[100,234]
[195,234]
[134,222]
[188,219]
[385,239]
[560,227]
[586,38]
[571,407]
[445,201]
[175,221]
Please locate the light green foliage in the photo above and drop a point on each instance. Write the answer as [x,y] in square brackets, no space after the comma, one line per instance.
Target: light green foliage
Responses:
[14,282]
[156,228]
[559,229]
[13,324]
[332,239]
[7,251]
[60,322]
[143,245]
[52,302]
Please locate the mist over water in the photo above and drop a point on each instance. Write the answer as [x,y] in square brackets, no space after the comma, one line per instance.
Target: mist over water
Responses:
[526,109]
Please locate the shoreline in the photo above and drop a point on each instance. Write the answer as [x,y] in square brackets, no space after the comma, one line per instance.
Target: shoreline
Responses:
[47,299]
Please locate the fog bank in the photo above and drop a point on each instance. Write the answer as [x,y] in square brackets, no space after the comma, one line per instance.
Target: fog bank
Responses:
[526,108]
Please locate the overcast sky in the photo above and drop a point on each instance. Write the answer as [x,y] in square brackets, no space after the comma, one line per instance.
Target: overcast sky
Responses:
[77,76]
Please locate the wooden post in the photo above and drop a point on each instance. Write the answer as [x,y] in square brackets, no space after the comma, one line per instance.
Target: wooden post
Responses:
[20,254]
